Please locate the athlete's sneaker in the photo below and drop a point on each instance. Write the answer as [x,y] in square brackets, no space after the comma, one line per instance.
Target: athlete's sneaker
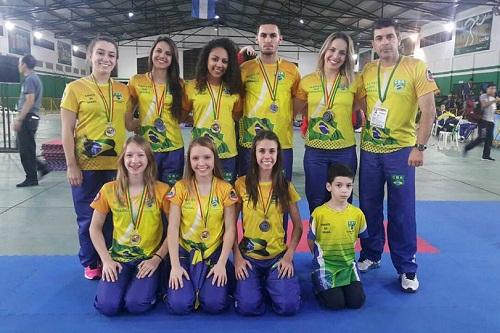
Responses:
[93,273]
[409,282]
[366,265]
[487,159]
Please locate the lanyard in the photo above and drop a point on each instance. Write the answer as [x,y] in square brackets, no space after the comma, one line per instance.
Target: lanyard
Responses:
[382,98]
[329,97]
[216,103]
[159,101]
[273,90]
[204,218]
[136,219]
[109,108]
[267,204]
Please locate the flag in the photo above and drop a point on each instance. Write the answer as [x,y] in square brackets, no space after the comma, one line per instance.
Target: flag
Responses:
[203,9]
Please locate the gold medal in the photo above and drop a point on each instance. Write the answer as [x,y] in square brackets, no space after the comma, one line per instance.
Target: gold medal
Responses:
[274,107]
[159,125]
[328,116]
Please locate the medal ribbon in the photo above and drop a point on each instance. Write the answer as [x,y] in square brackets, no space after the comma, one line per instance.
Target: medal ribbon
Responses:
[267,204]
[329,96]
[204,218]
[136,219]
[216,103]
[159,101]
[382,98]
[273,90]
[109,108]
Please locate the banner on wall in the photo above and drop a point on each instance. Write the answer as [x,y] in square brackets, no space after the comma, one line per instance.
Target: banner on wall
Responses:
[203,9]
[63,53]
[473,34]
[19,41]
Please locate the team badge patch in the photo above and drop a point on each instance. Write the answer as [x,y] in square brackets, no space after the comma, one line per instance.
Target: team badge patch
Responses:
[117,96]
[399,84]
[281,76]
[398,180]
[429,75]
[171,194]
[215,202]
[351,225]
[233,196]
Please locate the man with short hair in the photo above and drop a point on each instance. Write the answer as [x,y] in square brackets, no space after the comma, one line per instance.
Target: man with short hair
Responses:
[270,84]
[27,120]
[486,124]
[395,87]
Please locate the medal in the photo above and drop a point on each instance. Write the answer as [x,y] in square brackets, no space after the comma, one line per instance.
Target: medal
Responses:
[328,116]
[205,235]
[274,107]
[264,226]
[110,131]
[159,125]
[273,90]
[215,128]
[135,239]
[216,105]
[108,107]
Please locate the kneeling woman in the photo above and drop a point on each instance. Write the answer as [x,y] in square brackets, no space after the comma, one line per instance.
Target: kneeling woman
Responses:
[200,234]
[262,260]
[130,269]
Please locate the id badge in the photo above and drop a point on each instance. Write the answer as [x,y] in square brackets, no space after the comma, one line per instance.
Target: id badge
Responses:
[379,117]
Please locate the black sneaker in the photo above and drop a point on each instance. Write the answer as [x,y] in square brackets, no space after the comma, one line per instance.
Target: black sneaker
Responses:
[43,172]
[27,183]
[487,159]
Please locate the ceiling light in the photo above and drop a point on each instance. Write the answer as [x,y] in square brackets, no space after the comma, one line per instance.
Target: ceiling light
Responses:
[37,34]
[9,25]
[301,21]
[75,48]
[217,17]
[449,26]
[130,14]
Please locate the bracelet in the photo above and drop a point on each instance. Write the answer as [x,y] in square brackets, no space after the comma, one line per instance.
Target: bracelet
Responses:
[159,256]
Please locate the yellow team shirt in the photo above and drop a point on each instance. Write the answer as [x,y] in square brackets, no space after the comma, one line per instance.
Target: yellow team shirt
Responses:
[411,80]
[261,241]
[192,225]
[204,116]
[150,228]
[95,150]
[335,133]
[257,102]
[142,90]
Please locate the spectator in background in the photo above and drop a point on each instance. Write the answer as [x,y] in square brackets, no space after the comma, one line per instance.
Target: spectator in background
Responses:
[27,120]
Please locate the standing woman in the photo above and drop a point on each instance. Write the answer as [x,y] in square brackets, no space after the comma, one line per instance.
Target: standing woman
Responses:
[214,99]
[328,97]
[93,133]
[158,97]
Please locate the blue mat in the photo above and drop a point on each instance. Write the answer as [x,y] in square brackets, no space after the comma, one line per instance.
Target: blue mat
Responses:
[459,289]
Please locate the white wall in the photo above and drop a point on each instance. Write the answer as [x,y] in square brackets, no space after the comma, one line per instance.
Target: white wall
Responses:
[40,53]
[440,56]
[130,51]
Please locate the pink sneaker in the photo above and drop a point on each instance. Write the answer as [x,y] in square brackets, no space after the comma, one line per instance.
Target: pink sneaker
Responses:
[93,273]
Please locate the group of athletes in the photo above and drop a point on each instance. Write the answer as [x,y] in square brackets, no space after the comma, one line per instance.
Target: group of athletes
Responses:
[152,221]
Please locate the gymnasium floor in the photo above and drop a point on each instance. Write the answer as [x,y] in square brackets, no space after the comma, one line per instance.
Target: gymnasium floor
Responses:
[458,213]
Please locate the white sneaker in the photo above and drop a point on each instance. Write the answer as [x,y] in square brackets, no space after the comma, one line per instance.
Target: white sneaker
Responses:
[409,282]
[365,265]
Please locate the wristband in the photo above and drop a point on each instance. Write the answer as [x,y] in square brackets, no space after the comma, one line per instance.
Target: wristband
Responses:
[159,256]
